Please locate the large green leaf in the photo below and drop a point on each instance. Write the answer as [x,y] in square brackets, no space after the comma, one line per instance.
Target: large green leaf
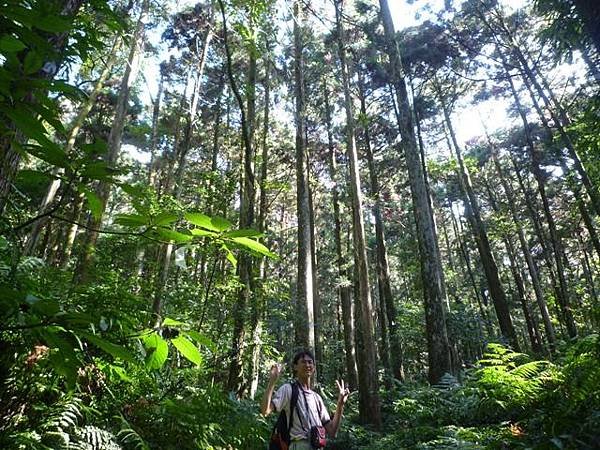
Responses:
[201,220]
[201,339]
[168,322]
[254,246]
[10,44]
[33,62]
[52,23]
[201,232]
[93,201]
[221,223]
[171,235]
[115,350]
[249,232]
[131,220]
[187,349]
[157,351]
[164,218]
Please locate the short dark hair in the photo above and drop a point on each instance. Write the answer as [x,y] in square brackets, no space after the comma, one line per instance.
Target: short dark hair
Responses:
[302,354]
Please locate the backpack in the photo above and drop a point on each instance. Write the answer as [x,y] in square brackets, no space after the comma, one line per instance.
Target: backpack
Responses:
[280,436]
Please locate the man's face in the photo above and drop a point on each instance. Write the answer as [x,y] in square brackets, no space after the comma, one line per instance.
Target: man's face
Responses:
[305,366]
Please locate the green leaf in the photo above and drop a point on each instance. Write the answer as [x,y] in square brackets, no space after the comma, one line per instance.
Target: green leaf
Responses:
[97,170]
[201,220]
[164,218]
[114,350]
[93,201]
[249,232]
[49,152]
[120,372]
[187,349]
[131,220]
[157,351]
[231,258]
[171,235]
[220,223]
[168,322]
[200,232]
[11,44]
[134,191]
[254,246]
[53,24]
[201,339]
[33,62]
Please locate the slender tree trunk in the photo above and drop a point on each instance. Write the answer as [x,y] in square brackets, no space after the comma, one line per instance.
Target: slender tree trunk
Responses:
[531,265]
[347,305]
[393,355]
[304,298]
[487,258]
[114,147]
[369,404]
[72,136]
[532,328]
[431,271]
[259,305]
[245,266]
[464,251]
[535,155]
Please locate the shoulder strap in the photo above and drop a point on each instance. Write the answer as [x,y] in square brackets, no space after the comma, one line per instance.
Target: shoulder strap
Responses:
[293,403]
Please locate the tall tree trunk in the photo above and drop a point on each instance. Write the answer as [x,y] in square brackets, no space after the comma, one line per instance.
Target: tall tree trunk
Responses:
[531,265]
[304,298]
[72,136]
[532,328]
[431,271]
[176,182]
[369,404]
[258,308]
[394,354]
[245,267]
[535,155]
[114,147]
[347,305]
[483,244]
[464,251]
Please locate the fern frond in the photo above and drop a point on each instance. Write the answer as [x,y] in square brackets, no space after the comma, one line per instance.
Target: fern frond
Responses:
[128,435]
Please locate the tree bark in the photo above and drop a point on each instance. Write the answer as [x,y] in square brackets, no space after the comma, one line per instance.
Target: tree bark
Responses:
[432,274]
[304,298]
[483,244]
[369,406]
[344,294]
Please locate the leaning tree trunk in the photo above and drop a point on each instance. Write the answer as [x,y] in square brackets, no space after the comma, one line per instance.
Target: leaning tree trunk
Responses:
[535,155]
[432,274]
[490,267]
[369,404]
[532,327]
[114,148]
[46,205]
[525,249]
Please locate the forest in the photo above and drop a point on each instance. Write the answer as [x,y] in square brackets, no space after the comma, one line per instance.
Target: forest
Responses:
[191,191]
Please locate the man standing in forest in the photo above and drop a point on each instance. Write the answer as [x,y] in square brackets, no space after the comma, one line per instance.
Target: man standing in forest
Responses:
[309,411]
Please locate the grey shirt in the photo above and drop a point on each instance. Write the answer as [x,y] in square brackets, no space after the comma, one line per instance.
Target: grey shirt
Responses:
[306,412]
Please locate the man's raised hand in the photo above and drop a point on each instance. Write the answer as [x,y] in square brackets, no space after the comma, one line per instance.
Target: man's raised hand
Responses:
[276,371]
[344,392]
